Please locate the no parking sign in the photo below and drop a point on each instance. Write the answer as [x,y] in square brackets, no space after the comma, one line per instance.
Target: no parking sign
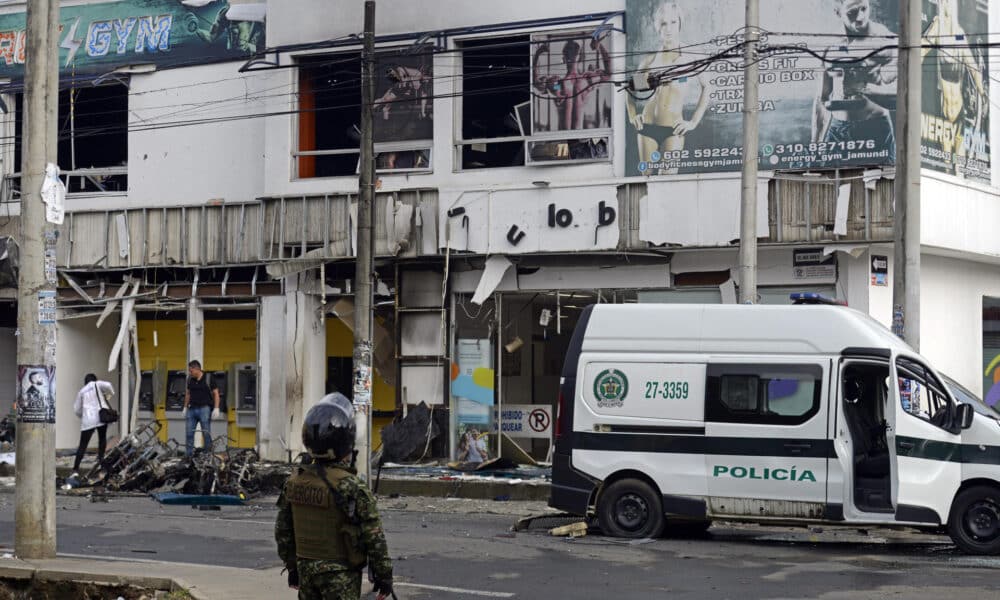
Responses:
[526,420]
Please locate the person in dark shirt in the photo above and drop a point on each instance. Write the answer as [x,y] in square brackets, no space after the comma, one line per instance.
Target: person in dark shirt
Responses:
[201,405]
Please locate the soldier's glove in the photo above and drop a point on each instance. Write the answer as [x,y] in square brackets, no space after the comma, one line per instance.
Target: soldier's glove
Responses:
[293,578]
[383,587]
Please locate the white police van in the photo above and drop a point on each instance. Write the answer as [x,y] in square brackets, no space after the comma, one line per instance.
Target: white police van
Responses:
[674,415]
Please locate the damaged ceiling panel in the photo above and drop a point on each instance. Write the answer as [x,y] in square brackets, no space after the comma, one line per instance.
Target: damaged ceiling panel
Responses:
[713,206]
[330,220]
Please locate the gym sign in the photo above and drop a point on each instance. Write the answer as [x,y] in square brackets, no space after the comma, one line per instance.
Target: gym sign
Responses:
[95,39]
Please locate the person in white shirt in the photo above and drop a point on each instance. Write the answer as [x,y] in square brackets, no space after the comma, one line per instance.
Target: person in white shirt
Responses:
[91,398]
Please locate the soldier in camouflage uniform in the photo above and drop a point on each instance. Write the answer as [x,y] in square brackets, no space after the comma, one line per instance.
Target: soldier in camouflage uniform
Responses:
[328,527]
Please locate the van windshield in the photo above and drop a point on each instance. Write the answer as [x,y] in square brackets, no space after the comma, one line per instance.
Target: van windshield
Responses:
[966,397]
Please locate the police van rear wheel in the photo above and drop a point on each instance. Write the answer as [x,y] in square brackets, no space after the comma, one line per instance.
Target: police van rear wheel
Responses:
[974,524]
[630,508]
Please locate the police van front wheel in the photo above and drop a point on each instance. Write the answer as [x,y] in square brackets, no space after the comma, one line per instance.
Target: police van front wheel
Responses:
[974,524]
[630,508]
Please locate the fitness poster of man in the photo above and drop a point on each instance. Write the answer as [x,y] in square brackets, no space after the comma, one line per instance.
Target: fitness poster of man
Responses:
[813,113]
[403,95]
[955,122]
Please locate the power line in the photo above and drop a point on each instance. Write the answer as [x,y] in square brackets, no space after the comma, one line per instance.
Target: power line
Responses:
[674,72]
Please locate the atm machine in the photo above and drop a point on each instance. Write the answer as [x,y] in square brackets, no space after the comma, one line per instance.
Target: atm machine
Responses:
[153,398]
[146,396]
[174,405]
[242,413]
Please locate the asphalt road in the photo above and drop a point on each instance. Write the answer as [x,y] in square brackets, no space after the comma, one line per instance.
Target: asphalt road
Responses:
[465,549]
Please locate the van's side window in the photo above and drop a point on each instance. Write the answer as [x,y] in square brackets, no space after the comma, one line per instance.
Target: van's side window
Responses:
[921,394]
[763,394]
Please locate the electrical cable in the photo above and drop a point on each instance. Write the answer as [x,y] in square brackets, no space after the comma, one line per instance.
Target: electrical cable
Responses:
[674,72]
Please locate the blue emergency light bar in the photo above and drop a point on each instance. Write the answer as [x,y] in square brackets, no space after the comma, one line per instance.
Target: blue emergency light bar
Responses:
[814,298]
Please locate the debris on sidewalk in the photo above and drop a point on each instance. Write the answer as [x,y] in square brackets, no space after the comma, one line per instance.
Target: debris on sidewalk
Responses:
[141,462]
[416,436]
[173,498]
[498,471]
[546,517]
[572,530]
[493,464]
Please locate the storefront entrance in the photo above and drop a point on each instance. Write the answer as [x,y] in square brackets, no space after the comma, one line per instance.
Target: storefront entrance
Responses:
[509,353]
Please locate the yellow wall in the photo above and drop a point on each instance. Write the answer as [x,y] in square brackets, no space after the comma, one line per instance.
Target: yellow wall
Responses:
[171,347]
[171,337]
[340,343]
[226,341]
[229,341]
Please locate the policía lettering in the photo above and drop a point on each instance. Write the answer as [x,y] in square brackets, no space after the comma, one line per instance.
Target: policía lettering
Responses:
[737,472]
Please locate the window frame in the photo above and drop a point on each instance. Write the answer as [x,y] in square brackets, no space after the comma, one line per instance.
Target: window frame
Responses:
[716,410]
[296,153]
[459,142]
[919,372]
[90,180]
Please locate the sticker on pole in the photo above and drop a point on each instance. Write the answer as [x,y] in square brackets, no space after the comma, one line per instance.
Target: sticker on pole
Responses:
[362,386]
[46,307]
[36,394]
[526,420]
[51,239]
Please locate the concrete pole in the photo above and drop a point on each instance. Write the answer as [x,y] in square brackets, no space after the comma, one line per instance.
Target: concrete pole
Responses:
[906,187]
[748,198]
[35,495]
[365,255]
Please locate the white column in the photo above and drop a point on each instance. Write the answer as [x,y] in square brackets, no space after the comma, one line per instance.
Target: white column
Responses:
[271,365]
[195,331]
[292,356]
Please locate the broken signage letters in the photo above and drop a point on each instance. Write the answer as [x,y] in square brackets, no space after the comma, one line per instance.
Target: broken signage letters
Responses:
[563,218]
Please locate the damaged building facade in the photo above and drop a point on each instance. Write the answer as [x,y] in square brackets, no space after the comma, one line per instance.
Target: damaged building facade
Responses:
[212,189]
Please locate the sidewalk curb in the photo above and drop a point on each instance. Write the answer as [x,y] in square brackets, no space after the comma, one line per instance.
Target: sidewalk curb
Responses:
[148,581]
[26,570]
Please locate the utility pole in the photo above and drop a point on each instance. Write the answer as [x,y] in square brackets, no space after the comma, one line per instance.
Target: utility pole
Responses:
[906,187]
[35,467]
[748,197]
[365,255]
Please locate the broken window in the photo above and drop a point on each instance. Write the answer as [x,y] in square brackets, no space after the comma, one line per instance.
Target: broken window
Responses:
[329,131]
[93,137]
[539,99]
[571,97]
[495,96]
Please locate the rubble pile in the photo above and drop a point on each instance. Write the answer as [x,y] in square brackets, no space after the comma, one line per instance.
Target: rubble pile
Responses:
[421,434]
[141,462]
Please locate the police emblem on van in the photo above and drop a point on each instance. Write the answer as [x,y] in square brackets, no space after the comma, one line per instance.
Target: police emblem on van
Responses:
[610,388]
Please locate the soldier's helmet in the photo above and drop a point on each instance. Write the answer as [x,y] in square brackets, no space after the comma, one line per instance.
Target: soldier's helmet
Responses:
[328,430]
